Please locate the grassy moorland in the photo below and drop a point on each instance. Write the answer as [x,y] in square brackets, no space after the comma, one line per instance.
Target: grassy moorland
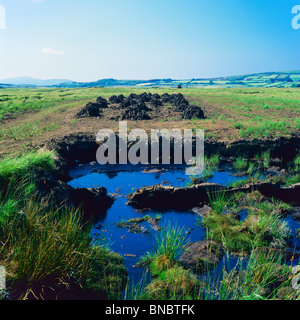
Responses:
[47,250]
[31,116]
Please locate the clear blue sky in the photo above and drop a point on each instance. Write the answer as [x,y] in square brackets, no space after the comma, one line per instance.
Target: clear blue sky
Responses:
[86,40]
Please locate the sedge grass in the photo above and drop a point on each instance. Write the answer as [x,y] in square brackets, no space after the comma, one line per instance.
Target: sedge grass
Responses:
[47,250]
[21,165]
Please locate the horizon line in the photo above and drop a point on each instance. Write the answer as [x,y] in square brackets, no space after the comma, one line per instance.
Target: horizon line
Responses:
[149,79]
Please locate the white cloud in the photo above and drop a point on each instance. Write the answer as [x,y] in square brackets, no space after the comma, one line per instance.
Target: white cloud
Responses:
[51,51]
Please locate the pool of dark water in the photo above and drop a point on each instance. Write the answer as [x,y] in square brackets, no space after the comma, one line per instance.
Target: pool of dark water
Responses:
[293,225]
[123,180]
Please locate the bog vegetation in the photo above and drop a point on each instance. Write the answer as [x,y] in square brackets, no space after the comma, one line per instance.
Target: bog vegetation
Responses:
[47,250]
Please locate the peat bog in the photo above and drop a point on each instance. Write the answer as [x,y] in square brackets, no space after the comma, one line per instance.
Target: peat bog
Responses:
[150,232]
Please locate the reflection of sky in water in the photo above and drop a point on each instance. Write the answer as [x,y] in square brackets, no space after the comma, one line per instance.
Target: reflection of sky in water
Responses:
[126,180]
[293,226]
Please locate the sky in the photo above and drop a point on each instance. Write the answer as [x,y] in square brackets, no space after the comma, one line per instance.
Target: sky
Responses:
[87,40]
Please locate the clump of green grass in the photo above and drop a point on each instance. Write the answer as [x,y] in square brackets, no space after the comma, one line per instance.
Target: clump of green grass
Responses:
[175,283]
[20,132]
[212,162]
[239,125]
[292,179]
[193,180]
[294,173]
[267,230]
[263,279]
[254,178]
[258,230]
[107,274]
[240,164]
[48,250]
[270,231]
[271,207]
[266,159]
[12,195]
[199,179]
[226,230]
[218,201]
[297,122]
[160,264]
[206,174]
[158,216]
[297,163]
[170,281]
[168,243]
[251,168]
[22,165]
[265,222]
[263,159]
[238,183]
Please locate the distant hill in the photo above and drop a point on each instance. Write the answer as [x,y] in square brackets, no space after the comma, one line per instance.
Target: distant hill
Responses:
[102,83]
[268,79]
[28,81]
[290,79]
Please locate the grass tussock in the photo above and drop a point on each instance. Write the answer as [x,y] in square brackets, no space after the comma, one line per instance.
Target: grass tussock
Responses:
[175,283]
[263,278]
[262,227]
[18,166]
[240,164]
[169,245]
[218,201]
[47,251]
[228,231]
[170,281]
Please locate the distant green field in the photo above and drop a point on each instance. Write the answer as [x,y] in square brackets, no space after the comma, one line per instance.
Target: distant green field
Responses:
[281,80]
[269,79]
